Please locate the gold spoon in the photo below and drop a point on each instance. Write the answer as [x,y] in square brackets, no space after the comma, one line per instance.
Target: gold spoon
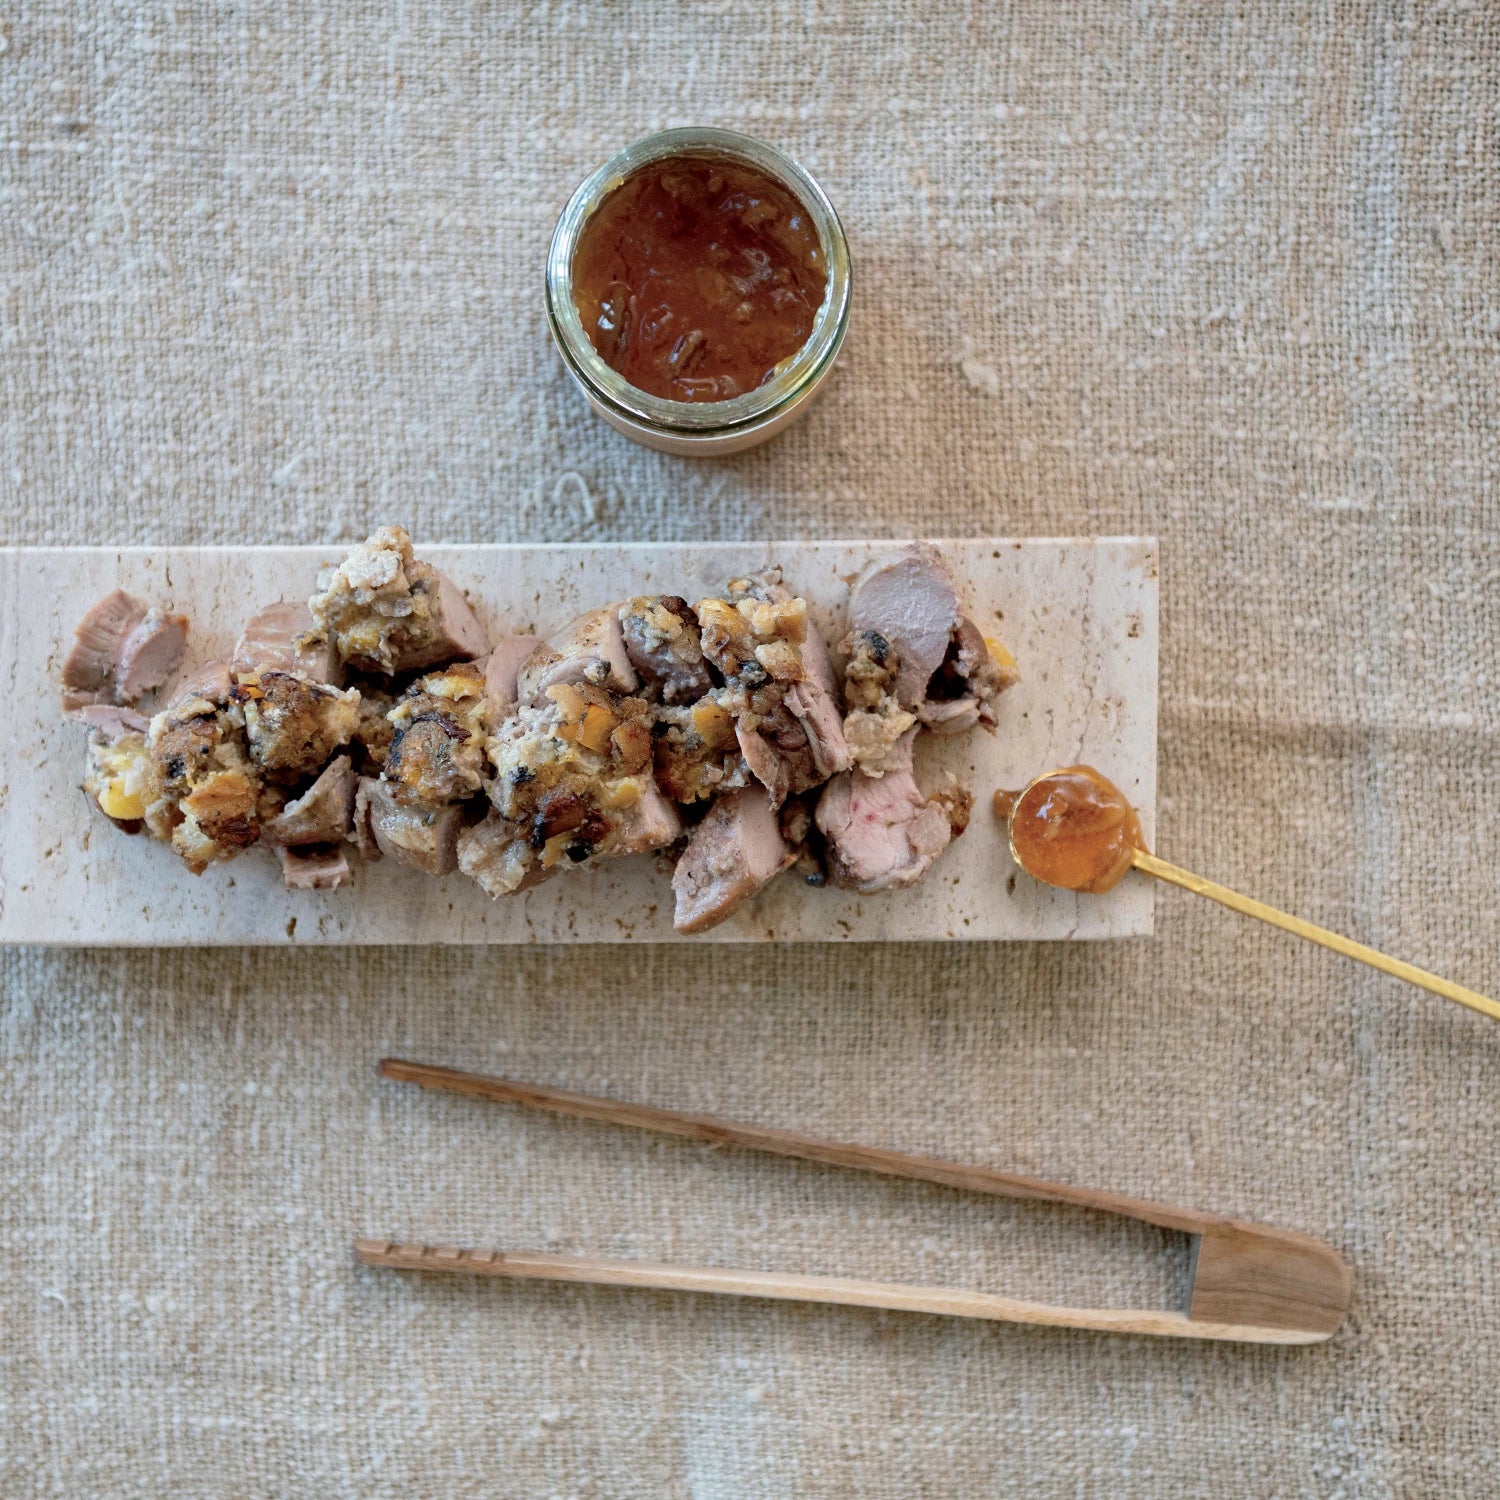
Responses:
[1076,830]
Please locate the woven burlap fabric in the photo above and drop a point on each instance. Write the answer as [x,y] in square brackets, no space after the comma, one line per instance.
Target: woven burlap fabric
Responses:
[1223,273]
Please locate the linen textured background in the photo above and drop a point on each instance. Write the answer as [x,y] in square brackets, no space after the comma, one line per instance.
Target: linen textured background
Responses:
[1223,272]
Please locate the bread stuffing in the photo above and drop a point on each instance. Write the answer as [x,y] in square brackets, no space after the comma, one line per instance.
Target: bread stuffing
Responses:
[379,720]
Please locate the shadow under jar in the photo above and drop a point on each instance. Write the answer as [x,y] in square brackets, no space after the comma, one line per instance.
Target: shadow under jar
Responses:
[698,290]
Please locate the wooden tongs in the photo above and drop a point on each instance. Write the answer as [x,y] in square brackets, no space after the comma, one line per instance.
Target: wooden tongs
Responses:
[1249,1283]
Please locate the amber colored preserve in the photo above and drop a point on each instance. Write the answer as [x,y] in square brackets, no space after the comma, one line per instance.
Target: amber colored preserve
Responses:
[697,276]
[1073,829]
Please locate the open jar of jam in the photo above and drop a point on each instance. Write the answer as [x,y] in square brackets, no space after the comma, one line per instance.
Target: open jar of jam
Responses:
[698,290]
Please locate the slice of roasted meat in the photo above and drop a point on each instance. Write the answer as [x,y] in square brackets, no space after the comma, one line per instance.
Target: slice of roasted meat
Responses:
[383,610]
[910,600]
[502,669]
[497,860]
[412,833]
[213,680]
[588,651]
[111,720]
[283,637]
[314,868]
[121,651]
[883,831]
[322,814]
[572,781]
[735,852]
[963,690]
[914,660]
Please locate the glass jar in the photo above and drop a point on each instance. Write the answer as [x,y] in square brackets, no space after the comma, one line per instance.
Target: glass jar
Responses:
[699,428]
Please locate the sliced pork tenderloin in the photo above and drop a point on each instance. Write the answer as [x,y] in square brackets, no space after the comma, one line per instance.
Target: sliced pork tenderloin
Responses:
[910,600]
[413,834]
[88,672]
[499,860]
[949,715]
[734,853]
[314,869]
[323,814]
[111,720]
[883,831]
[649,823]
[210,680]
[779,754]
[121,651]
[151,653]
[572,781]
[814,702]
[589,649]
[283,637]
[973,674]
[779,684]
[502,669]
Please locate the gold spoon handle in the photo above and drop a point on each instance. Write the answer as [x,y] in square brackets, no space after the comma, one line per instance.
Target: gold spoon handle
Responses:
[1376,960]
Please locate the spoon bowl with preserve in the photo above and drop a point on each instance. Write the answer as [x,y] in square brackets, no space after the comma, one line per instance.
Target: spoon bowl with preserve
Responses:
[1074,829]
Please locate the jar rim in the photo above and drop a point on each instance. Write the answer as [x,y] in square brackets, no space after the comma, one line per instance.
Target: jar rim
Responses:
[793,377]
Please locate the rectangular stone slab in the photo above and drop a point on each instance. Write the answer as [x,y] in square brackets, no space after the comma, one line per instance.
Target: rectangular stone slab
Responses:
[1079,616]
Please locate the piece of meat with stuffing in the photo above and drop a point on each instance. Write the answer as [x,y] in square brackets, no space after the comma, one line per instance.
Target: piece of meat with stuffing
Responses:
[323,814]
[293,725]
[753,631]
[963,690]
[664,643]
[283,637]
[572,782]
[734,853]
[121,651]
[216,792]
[412,833]
[778,752]
[588,651]
[385,611]
[779,684]
[310,868]
[437,752]
[883,832]
[505,858]
[911,601]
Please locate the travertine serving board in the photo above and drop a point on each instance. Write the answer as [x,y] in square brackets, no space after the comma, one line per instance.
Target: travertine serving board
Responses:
[1080,617]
